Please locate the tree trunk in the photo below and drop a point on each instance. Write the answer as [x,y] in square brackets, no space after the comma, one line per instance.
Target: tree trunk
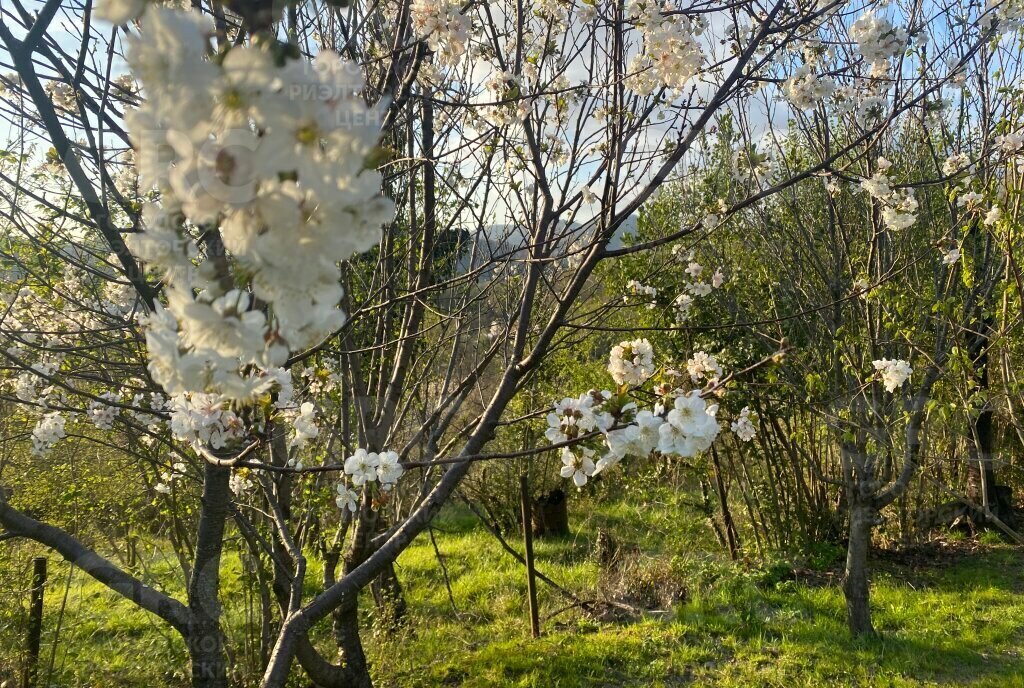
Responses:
[346,633]
[731,536]
[981,475]
[346,616]
[551,514]
[982,484]
[855,582]
[204,639]
[389,597]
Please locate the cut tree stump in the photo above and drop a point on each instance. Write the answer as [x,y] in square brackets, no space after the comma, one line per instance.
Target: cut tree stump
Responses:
[551,514]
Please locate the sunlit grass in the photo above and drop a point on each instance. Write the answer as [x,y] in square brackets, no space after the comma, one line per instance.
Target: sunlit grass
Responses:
[951,623]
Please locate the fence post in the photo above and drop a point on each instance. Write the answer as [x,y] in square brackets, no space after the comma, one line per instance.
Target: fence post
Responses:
[35,622]
[531,581]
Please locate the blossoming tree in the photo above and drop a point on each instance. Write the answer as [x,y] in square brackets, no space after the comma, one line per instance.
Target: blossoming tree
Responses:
[303,258]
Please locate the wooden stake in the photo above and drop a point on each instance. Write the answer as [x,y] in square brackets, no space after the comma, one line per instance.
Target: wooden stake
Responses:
[531,580]
[35,622]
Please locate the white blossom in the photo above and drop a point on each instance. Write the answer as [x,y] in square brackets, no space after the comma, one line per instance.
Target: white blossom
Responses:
[647,292]
[273,153]
[703,366]
[954,163]
[899,206]
[389,469]
[204,420]
[971,199]
[443,25]
[48,431]
[1010,143]
[347,498]
[579,467]
[361,467]
[805,89]
[743,427]
[631,363]
[637,439]
[103,414]
[690,427]
[304,425]
[877,39]
[894,372]
[119,11]
[671,55]
[571,418]
[681,306]
[699,288]
[168,478]
[239,484]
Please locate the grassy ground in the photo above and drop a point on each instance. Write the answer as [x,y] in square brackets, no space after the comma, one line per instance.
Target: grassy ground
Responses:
[953,618]
[948,615]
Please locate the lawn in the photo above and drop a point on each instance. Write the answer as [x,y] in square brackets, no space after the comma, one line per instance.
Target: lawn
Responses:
[949,613]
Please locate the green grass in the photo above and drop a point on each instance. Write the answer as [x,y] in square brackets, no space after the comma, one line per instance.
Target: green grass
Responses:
[953,623]
[956,619]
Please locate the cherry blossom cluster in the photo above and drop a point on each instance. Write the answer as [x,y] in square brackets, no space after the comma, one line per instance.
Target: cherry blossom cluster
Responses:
[601,428]
[973,194]
[805,89]
[239,483]
[33,386]
[877,40]
[647,293]
[271,152]
[504,106]
[631,363]
[168,478]
[1011,143]
[365,468]
[103,414]
[203,420]
[671,55]
[754,166]
[743,427]
[1003,16]
[443,25]
[304,427]
[62,95]
[695,287]
[48,431]
[899,207]
[893,372]
[703,367]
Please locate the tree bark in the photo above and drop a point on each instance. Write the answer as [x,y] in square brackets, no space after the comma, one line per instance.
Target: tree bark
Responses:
[981,475]
[204,638]
[345,618]
[389,597]
[855,582]
[731,536]
[346,633]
